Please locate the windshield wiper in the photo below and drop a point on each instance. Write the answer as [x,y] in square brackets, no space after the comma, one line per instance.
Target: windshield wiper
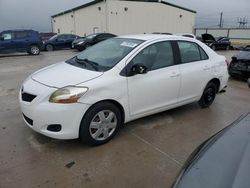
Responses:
[94,65]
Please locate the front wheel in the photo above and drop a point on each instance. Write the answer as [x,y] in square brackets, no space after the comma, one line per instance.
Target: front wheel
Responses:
[213,47]
[100,124]
[87,45]
[34,50]
[208,95]
[49,47]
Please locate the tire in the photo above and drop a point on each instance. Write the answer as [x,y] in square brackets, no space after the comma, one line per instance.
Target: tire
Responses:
[208,95]
[87,45]
[228,48]
[49,47]
[96,128]
[34,50]
[213,47]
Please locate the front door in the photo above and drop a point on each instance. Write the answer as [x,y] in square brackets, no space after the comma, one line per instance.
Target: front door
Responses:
[6,42]
[159,87]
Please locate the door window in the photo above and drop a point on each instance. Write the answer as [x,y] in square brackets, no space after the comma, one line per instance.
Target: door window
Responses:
[204,56]
[155,56]
[21,34]
[191,52]
[6,36]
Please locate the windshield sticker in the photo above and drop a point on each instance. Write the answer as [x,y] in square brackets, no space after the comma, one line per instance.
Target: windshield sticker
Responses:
[129,44]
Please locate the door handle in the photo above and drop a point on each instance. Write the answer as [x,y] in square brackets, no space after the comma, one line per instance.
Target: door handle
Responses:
[174,74]
[206,68]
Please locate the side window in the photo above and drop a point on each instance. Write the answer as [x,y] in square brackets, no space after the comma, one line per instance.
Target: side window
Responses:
[204,56]
[189,51]
[7,36]
[61,37]
[21,34]
[155,56]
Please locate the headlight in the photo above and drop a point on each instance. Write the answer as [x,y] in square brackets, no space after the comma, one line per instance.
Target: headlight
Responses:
[69,94]
[81,42]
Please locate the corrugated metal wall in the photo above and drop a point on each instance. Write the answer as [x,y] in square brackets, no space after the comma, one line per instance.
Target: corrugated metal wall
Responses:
[125,17]
[146,17]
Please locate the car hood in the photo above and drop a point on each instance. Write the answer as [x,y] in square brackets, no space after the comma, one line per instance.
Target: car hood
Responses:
[63,74]
[220,162]
[207,37]
[242,55]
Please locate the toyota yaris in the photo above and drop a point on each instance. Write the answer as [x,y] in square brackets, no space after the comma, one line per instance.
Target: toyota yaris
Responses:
[116,81]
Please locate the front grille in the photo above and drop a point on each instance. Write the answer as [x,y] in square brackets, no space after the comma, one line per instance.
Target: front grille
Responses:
[28,120]
[28,97]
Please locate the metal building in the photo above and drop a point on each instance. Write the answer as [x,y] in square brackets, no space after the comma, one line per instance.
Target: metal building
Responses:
[123,17]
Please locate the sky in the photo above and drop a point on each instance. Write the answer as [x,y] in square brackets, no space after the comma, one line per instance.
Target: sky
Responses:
[35,14]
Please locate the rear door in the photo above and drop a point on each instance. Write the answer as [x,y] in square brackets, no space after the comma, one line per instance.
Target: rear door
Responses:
[69,40]
[21,40]
[195,69]
[61,41]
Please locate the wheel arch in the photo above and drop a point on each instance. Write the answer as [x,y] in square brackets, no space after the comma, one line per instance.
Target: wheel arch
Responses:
[216,81]
[114,102]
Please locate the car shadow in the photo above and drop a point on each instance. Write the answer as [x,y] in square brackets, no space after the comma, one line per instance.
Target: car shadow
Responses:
[13,55]
[147,122]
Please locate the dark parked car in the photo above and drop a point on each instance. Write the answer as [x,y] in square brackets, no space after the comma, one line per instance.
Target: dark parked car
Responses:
[222,43]
[76,41]
[245,48]
[60,41]
[46,36]
[220,162]
[20,41]
[93,39]
[240,65]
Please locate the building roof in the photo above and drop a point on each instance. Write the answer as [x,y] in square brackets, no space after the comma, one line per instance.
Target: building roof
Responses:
[98,1]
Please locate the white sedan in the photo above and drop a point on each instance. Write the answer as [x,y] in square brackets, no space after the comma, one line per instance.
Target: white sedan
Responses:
[116,81]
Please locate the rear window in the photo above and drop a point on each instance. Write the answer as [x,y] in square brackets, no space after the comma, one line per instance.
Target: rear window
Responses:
[21,34]
[191,52]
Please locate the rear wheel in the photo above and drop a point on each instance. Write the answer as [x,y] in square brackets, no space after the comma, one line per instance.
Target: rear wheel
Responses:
[34,50]
[208,95]
[100,124]
[49,47]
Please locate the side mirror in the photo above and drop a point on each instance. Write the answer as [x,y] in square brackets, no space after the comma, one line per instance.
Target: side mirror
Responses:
[248,82]
[139,69]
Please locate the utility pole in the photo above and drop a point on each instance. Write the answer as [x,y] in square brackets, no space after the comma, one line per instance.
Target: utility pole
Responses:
[242,22]
[221,16]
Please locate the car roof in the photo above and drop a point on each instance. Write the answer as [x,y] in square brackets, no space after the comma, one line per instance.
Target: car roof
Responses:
[18,30]
[148,37]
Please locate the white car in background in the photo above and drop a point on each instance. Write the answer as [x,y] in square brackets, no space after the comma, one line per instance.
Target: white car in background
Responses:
[116,81]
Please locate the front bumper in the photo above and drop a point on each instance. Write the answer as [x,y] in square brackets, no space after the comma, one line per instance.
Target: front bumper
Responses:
[42,113]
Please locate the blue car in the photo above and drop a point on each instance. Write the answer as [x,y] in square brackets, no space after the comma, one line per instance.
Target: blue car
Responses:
[20,41]
[60,41]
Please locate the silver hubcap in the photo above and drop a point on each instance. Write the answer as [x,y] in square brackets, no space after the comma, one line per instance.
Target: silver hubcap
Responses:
[34,50]
[103,125]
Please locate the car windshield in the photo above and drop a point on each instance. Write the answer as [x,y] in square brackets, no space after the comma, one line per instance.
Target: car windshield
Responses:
[51,38]
[104,55]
